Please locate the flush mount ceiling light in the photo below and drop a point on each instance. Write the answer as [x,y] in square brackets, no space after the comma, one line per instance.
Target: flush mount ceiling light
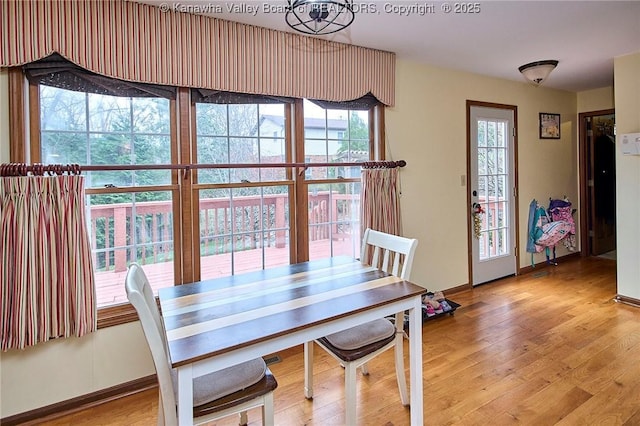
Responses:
[537,72]
[318,17]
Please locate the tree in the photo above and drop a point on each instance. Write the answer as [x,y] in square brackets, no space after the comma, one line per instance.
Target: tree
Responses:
[356,139]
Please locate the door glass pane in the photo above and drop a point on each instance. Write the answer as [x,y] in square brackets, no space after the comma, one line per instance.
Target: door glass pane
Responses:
[482,189]
[482,161]
[491,161]
[491,134]
[501,134]
[492,188]
[502,182]
[501,161]
[482,133]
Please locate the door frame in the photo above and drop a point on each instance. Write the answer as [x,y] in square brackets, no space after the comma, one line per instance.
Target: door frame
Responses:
[516,228]
[585,207]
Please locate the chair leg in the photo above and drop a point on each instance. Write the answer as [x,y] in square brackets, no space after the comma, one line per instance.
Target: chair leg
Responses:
[365,370]
[350,393]
[267,410]
[308,370]
[402,381]
[244,419]
[160,410]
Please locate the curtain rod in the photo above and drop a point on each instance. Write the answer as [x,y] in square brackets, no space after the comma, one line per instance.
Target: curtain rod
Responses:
[23,169]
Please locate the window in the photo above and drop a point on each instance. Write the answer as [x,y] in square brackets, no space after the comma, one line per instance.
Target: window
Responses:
[129,213]
[243,218]
[243,212]
[334,135]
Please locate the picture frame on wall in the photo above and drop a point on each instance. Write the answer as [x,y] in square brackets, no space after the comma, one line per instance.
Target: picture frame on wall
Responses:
[549,125]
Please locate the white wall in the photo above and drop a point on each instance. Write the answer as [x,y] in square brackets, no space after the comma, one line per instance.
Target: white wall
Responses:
[427,127]
[627,95]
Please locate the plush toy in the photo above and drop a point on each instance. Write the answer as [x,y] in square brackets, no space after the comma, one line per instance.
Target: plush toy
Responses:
[434,303]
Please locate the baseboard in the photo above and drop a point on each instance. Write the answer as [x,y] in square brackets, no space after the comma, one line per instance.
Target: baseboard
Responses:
[80,403]
[544,264]
[457,289]
[627,300]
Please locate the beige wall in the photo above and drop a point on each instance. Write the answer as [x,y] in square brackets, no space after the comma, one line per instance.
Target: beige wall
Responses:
[627,93]
[596,100]
[427,127]
[59,370]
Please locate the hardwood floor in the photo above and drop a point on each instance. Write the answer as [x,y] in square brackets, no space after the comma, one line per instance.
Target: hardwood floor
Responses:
[549,347]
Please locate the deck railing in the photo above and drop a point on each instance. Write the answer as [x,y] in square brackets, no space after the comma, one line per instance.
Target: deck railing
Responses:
[143,231]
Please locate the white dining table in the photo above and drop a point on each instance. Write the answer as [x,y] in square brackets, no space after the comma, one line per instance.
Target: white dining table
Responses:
[213,324]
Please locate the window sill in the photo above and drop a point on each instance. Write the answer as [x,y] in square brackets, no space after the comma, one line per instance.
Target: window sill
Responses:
[116,315]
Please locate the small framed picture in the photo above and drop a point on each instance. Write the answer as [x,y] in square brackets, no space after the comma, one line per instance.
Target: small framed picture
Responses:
[549,126]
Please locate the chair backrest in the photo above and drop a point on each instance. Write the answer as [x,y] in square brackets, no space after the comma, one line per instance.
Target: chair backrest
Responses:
[141,297]
[388,250]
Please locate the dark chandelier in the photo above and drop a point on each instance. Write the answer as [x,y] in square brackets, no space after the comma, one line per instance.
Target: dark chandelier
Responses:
[318,17]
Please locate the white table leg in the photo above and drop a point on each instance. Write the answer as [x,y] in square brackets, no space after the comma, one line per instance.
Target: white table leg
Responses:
[185,395]
[308,370]
[415,362]
[350,398]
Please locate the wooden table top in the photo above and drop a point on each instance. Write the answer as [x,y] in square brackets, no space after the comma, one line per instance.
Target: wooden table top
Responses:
[216,316]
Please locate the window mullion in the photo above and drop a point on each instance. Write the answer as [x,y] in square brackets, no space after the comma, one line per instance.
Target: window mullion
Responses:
[17,120]
[176,179]
[187,220]
[301,189]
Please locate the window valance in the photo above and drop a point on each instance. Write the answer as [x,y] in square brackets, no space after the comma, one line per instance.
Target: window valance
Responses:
[142,43]
[56,71]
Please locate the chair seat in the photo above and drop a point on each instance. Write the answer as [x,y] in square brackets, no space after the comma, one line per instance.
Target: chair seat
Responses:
[266,384]
[213,386]
[362,335]
[356,342]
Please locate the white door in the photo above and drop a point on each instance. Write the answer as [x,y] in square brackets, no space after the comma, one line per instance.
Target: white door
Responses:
[493,189]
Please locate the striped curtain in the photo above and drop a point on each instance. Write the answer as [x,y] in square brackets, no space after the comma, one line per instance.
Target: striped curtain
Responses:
[380,205]
[48,288]
[164,45]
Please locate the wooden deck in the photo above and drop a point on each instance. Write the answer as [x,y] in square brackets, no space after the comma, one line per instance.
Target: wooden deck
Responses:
[110,285]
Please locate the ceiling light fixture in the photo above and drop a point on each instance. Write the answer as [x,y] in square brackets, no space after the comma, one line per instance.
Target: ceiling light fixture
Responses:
[319,17]
[537,72]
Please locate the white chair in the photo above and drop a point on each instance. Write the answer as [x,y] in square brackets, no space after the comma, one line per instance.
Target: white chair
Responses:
[356,346]
[216,395]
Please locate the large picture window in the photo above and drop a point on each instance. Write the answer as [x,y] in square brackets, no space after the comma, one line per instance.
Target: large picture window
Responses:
[217,219]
